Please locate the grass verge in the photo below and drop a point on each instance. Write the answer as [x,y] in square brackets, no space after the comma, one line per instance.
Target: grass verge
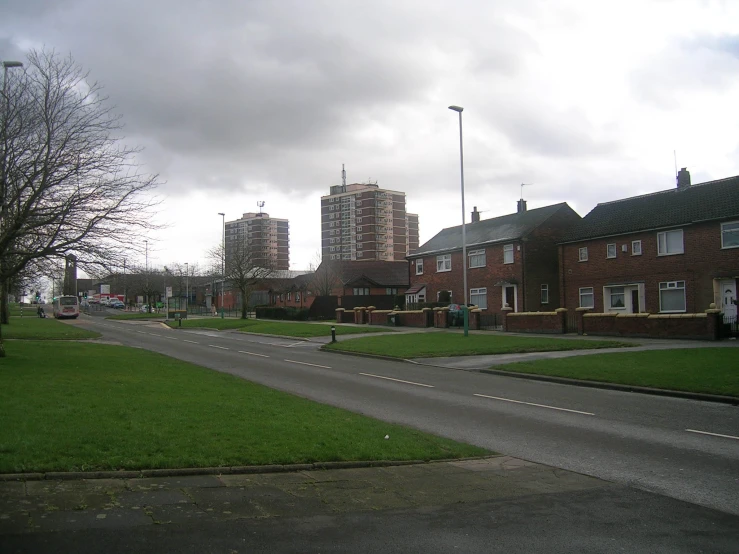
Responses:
[283,328]
[104,407]
[702,370]
[427,345]
[35,328]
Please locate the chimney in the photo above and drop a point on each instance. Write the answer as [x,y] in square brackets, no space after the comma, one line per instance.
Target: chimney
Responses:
[521,206]
[475,215]
[683,178]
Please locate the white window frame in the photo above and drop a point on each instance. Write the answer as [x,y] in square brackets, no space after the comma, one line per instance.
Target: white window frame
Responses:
[672,285]
[611,294]
[508,255]
[360,291]
[438,293]
[591,294]
[478,256]
[419,266]
[443,263]
[736,230]
[611,250]
[636,248]
[480,293]
[665,234]
[545,294]
[582,254]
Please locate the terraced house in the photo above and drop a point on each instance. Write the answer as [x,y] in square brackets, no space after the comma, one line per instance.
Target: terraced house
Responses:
[511,260]
[673,251]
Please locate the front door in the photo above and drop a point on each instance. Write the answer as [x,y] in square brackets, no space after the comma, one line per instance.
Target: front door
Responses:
[634,301]
[728,299]
[510,296]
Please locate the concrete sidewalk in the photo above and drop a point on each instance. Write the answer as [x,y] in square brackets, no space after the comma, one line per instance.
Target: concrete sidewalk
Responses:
[66,505]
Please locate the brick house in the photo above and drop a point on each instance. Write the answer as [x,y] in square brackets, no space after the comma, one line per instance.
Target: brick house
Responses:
[673,251]
[512,260]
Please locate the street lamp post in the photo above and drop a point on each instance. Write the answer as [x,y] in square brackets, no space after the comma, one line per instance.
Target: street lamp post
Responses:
[148,303]
[459,110]
[223,261]
[187,287]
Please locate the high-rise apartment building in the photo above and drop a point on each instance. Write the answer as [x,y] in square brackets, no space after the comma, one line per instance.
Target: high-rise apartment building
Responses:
[364,222]
[266,238]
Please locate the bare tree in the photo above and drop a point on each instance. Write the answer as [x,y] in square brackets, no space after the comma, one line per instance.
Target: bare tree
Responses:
[68,184]
[327,277]
[244,270]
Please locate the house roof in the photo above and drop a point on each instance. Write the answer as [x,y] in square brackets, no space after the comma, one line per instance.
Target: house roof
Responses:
[418,287]
[381,274]
[668,208]
[497,229]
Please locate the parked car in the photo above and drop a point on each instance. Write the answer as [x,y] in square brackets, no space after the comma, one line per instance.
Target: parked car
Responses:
[144,308]
[117,304]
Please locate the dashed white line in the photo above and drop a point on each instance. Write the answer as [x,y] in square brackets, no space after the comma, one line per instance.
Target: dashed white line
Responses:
[713,434]
[253,354]
[190,341]
[142,332]
[221,347]
[306,363]
[534,404]
[397,380]
[293,344]
[155,335]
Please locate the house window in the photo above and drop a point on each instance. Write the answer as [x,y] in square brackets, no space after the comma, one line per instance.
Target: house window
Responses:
[444,263]
[361,291]
[730,235]
[419,266]
[672,296]
[288,296]
[670,242]
[479,297]
[617,297]
[583,254]
[508,254]
[611,250]
[586,297]
[391,291]
[476,258]
[297,297]
[545,294]
[636,248]
[439,295]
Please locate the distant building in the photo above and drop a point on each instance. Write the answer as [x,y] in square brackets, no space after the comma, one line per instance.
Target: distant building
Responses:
[267,238]
[362,222]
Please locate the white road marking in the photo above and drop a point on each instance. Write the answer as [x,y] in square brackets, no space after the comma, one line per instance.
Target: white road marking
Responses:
[171,338]
[533,404]
[221,347]
[306,363]
[712,434]
[253,354]
[293,344]
[155,335]
[398,380]
[142,332]
[190,341]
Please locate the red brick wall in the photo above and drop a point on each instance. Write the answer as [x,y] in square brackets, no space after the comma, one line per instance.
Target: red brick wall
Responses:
[535,322]
[702,261]
[702,326]
[343,316]
[377,317]
[416,318]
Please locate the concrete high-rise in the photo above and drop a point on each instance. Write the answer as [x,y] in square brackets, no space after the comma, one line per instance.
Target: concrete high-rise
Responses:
[364,222]
[266,238]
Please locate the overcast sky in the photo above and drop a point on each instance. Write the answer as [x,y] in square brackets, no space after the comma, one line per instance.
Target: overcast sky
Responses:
[240,101]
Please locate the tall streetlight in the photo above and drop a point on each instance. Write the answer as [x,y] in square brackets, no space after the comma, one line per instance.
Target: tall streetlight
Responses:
[4,175]
[223,261]
[148,303]
[459,110]
[187,287]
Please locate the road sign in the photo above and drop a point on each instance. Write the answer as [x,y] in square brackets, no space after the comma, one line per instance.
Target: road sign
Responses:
[169,292]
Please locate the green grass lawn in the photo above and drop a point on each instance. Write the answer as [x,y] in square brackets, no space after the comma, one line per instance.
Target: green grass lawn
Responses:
[136,315]
[708,370]
[35,328]
[78,406]
[426,345]
[283,328]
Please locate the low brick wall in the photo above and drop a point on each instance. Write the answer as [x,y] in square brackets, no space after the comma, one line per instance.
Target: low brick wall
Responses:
[360,316]
[441,318]
[378,317]
[703,326]
[416,318]
[343,316]
[536,322]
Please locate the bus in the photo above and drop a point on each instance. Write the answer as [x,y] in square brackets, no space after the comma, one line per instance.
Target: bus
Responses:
[66,306]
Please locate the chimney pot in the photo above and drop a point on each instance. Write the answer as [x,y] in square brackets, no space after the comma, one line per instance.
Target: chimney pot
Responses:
[475,215]
[521,205]
[683,178]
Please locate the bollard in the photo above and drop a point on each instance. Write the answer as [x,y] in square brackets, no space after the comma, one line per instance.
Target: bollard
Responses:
[333,334]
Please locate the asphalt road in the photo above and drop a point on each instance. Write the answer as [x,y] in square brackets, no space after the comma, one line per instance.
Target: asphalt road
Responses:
[684,449]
